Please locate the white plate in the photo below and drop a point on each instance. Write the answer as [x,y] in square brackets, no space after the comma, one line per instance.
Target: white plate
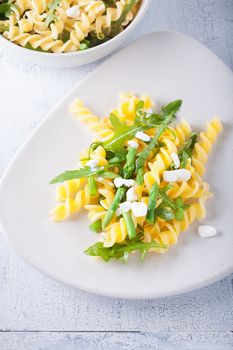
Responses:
[167,66]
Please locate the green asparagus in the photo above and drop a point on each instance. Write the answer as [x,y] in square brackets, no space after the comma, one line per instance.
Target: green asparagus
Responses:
[150,218]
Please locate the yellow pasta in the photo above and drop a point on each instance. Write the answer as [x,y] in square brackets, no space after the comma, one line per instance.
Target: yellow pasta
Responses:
[204,145]
[59,26]
[144,176]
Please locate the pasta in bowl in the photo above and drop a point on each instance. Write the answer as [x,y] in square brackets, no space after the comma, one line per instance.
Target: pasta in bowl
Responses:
[141,180]
[67,32]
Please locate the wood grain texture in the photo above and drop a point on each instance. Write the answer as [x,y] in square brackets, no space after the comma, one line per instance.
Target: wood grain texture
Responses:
[32,302]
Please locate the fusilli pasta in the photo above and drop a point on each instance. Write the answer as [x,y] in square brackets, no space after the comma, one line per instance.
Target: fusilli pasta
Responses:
[141,190]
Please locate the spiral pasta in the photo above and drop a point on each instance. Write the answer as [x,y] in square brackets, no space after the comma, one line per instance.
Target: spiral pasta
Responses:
[102,126]
[204,145]
[143,193]
[59,26]
[71,206]
[115,234]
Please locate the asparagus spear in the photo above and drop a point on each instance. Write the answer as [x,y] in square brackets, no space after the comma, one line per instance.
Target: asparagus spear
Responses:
[113,207]
[92,186]
[150,218]
[129,166]
[128,170]
[129,225]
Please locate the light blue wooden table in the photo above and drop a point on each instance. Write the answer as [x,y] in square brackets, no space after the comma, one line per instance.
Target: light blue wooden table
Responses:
[39,313]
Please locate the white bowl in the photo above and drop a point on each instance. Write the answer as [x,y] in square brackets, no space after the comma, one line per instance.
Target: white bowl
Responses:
[78,58]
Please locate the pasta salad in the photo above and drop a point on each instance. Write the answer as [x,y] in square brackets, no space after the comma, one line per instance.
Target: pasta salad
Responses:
[141,181]
[64,25]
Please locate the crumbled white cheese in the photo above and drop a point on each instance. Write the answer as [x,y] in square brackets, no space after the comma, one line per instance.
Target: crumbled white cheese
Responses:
[131,195]
[169,176]
[142,136]
[207,231]
[125,207]
[92,163]
[176,160]
[129,183]
[133,144]
[73,12]
[139,209]
[183,174]
[100,179]
[118,182]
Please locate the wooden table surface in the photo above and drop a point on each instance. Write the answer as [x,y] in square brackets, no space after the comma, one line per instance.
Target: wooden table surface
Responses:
[39,313]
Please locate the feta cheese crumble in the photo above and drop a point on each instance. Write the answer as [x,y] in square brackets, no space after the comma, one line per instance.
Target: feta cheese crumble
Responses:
[142,136]
[118,182]
[180,175]
[125,207]
[131,195]
[133,144]
[139,209]
[169,176]
[207,231]
[92,163]
[176,160]
[183,175]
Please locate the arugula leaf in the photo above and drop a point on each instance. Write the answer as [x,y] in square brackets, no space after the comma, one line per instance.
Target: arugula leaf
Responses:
[29,47]
[64,36]
[5,10]
[186,152]
[143,121]
[118,251]
[51,16]
[96,226]
[110,3]
[122,133]
[77,174]
[165,213]
[171,108]
[116,26]
[170,208]
[139,109]
[166,199]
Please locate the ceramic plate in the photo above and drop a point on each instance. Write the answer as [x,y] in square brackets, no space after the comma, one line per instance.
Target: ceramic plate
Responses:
[167,66]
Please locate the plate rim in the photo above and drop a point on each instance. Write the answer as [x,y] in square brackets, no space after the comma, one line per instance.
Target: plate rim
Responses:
[94,289]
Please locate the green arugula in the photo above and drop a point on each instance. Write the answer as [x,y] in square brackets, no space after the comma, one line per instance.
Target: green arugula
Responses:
[51,16]
[96,226]
[165,213]
[116,26]
[110,3]
[29,47]
[77,174]
[64,36]
[186,152]
[122,133]
[144,121]
[118,251]
[172,107]
[170,208]
[5,10]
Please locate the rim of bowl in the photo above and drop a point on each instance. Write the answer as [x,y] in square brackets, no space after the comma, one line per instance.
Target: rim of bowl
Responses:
[143,7]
